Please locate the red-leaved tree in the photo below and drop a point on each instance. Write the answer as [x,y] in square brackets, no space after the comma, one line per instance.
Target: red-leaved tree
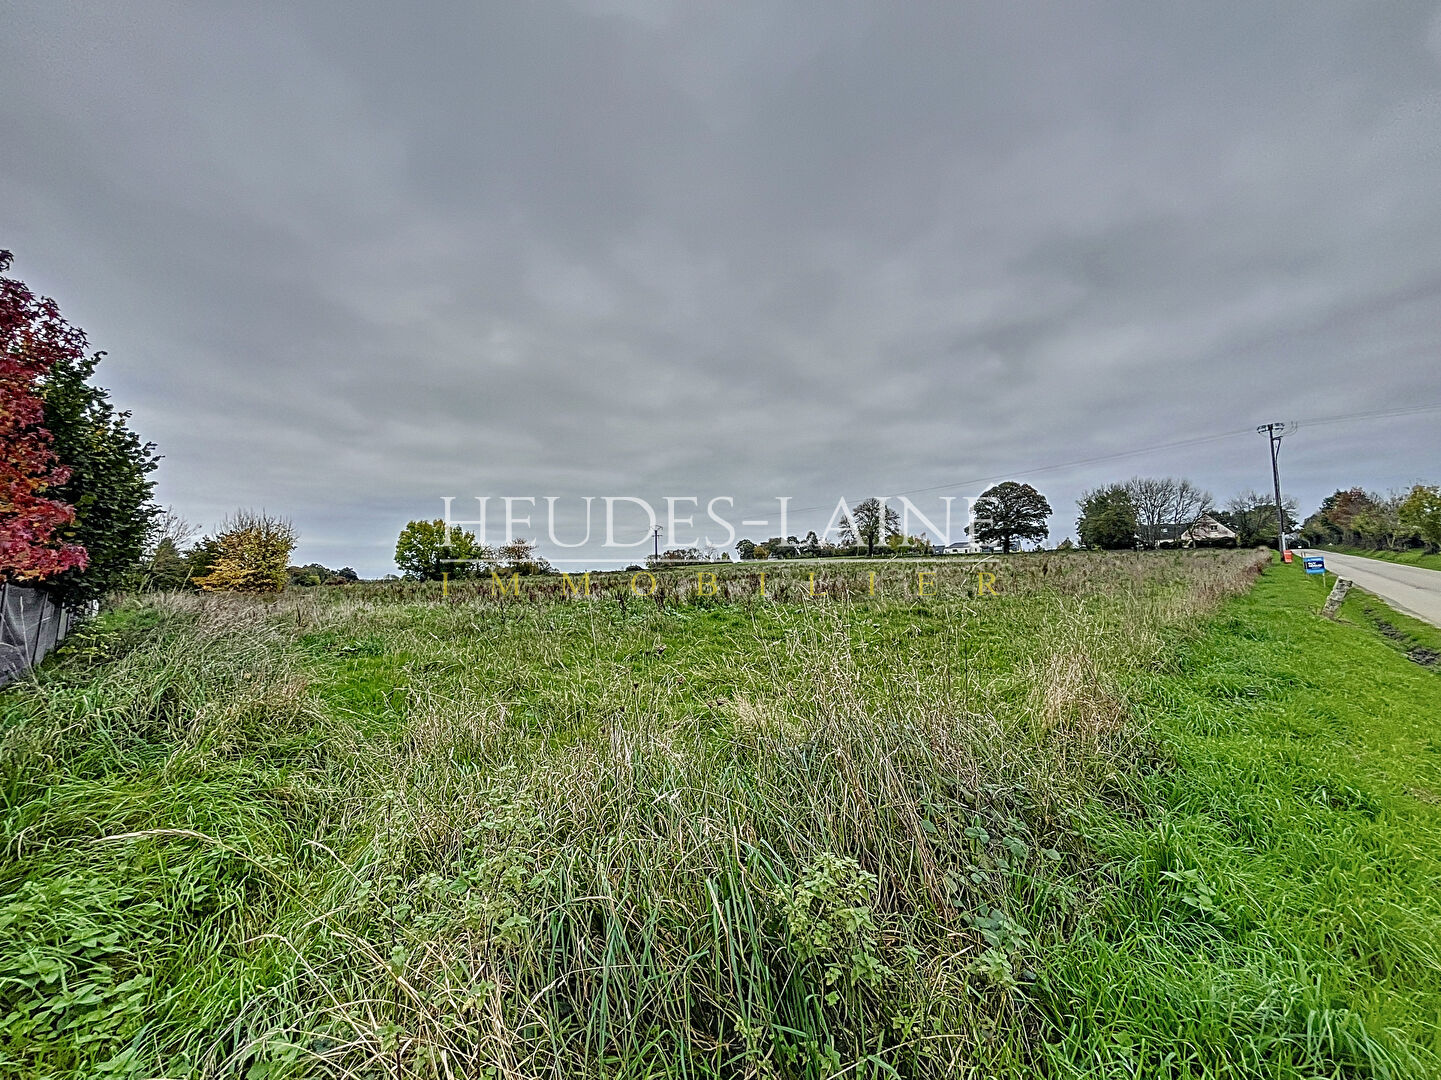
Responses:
[33,337]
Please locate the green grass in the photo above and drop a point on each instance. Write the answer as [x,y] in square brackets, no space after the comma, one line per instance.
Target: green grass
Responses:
[1413,557]
[1124,819]
[1277,910]
[1419,641]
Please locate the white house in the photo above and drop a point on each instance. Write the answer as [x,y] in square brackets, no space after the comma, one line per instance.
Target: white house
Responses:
[1208,531]
[968,547]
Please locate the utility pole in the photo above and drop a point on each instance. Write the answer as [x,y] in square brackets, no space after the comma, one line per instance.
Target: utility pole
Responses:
[1274,434]
[655,534]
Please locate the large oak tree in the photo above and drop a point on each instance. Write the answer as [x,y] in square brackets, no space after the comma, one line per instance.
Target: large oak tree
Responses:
[1010,512]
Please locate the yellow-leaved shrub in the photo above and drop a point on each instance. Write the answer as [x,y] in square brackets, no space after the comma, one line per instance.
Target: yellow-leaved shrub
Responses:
[252,551]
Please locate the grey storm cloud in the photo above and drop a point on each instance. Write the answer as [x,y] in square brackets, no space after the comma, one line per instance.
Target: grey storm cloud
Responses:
[348,259]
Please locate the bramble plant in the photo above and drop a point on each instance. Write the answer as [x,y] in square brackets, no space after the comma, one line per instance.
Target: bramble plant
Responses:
[829,919]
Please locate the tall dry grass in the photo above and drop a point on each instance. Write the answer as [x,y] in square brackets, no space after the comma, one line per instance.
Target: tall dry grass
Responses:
[367,832]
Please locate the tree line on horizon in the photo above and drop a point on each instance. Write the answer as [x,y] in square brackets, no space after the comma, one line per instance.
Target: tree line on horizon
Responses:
[1144,512]
[1158,511]
[1005,515]
[1397,521]
[1147,512]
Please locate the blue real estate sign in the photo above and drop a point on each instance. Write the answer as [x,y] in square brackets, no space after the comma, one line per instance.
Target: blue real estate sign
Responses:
[1315,564]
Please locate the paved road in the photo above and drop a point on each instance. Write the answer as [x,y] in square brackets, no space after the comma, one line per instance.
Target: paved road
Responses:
[1413,589]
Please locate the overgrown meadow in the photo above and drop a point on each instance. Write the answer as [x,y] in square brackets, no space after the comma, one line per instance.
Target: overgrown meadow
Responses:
[372,832]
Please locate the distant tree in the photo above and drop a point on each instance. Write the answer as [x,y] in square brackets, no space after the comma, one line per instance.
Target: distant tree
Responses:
[304,576]
[1346,507]
[1011,512]
[163,566]
[1252,517]
[868,525]
[911,546]
[787,547]
[426,550]
[109,483]
[168,524]
[1356,517]
[312,574]
[1421,511]
[1108,518]
[36,536]
[166,569]
[520,557]
[746,549]
[251,554]
[1379,524]
[200,559]
[1316,531]
[1166,507]
[675,556]
[1152,497]
[347,575]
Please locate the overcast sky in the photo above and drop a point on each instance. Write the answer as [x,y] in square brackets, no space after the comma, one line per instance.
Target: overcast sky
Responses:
[350,259]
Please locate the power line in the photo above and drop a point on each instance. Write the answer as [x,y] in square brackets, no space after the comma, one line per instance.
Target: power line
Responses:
[1031,471]
[1120,454]
[1383,414]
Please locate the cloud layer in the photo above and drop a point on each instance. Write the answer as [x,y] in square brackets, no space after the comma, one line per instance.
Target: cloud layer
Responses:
[352,260]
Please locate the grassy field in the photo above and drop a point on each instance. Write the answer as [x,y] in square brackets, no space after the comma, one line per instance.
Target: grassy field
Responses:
[1431,560]
[1129,817]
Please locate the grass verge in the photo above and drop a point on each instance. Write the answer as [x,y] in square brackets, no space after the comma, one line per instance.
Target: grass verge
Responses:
[1276,908]
[1418,640]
